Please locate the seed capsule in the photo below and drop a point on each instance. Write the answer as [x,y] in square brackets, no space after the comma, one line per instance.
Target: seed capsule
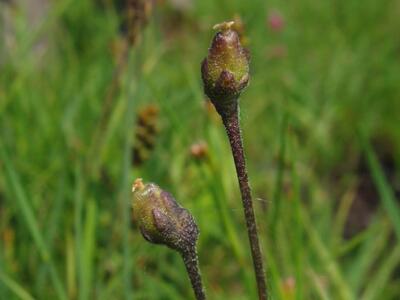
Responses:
[161,219]
[225,71]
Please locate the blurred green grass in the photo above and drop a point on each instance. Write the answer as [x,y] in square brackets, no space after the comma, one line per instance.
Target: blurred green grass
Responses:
[323,90]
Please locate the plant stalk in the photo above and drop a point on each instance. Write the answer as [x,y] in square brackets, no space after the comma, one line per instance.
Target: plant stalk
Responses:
[232,126]
[191,262]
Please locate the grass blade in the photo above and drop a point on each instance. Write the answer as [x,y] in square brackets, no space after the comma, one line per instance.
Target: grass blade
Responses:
[369,252]
[87,253]
[384,189]
[378,282]
[17,289]
[27,212]
[327,260]
[319,286]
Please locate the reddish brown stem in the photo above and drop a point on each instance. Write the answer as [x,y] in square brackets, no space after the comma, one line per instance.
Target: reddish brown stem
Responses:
[232,126]
[192,267]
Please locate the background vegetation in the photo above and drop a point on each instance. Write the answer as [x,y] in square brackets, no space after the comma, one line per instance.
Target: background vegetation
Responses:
[321,125]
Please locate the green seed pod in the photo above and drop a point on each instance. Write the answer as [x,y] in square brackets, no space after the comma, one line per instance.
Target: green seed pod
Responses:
[161,219]
[225,71]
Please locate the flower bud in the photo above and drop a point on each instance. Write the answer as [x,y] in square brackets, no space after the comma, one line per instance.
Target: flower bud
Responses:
[161,219]
[225,71]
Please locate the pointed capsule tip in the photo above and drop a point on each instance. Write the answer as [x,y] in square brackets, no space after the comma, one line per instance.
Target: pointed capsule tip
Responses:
[224,26]
[137,184]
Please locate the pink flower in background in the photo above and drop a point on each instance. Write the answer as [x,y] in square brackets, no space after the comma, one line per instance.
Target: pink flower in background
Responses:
[275,21]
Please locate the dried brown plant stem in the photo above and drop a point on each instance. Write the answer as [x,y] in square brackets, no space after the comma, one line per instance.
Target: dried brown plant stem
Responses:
[138,13]
[232,126]
[191,262]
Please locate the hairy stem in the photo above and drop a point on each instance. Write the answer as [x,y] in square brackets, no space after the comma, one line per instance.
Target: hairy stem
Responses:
[192,267]
[232,126]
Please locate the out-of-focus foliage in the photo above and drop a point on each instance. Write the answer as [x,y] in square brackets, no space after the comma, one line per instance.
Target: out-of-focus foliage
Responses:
[321,132]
